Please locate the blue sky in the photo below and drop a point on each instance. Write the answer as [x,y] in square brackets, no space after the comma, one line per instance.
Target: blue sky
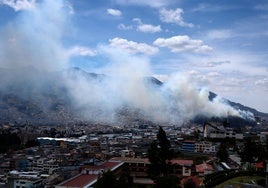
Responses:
[219,45]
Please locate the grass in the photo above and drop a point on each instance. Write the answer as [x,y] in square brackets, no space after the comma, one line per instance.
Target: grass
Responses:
[236,182]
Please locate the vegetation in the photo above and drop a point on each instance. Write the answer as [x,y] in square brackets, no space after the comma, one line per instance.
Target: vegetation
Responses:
[222,153]
[236,182]
[108,179]
[253,152]
[32,143]
[160,155]
[9,141]
[211,180]
[170,181]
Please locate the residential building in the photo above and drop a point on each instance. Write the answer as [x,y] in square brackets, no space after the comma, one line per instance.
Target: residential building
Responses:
[183,167]
[89,175]
[204,169]
[205,147]
[188,146]
[220,132]
[18,179]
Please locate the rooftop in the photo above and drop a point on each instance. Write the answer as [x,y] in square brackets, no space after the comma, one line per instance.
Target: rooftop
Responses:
[80,181]
[182,162]
[203,167]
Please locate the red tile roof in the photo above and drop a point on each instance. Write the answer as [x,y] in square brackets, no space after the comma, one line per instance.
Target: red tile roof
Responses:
[107,165]
[81,180]
[202,167]
[182,162]
[189,141]
[259,165]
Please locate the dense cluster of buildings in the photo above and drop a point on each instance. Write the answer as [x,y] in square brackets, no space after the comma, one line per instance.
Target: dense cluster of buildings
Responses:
[63,160]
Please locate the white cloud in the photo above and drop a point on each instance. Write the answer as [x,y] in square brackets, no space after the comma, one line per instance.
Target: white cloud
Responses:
[211,64]
[146,28]
[205,7]
[133,47]
[70,7]
[174,16]
[124,27]
[114,12]
[183,43]
[262,82]
[18,5]
[263,7]
[154,3]
[219,34]
[81,51]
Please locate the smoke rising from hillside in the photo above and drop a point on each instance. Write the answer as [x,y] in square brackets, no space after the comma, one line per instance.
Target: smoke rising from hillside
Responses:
[35,39]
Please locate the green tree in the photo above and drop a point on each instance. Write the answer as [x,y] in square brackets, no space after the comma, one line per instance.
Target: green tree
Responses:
[9,141]
[167,182]
[250,151]
[159,155]
[222,153]
[107,179]
[189,184]
[32,143]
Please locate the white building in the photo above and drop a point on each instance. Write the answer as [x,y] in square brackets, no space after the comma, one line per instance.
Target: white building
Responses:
[205,147]
[24,179]
[45,165]
[220,132]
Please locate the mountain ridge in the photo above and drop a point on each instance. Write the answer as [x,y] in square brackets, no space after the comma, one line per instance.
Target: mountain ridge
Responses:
[48,102]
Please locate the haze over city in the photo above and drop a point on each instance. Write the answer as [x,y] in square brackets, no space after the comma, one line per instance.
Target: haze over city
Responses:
[215,46]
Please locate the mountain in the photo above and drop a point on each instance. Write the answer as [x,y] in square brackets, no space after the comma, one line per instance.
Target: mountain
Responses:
[73,95]
[239,106]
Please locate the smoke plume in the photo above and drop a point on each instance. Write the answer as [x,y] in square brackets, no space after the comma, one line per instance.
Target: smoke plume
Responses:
[35,39]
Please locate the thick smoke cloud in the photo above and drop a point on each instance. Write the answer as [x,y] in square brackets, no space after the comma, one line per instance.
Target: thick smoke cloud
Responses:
[35,39]
[127,85]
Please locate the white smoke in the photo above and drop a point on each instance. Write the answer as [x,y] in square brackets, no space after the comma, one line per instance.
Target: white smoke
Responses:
[35,38]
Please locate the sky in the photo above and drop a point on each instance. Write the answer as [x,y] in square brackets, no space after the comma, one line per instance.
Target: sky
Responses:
[219,45]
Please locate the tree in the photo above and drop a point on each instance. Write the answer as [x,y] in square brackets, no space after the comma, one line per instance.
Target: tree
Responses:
[167,182]
[222,154]
[250,152]
[160,155]
[107,179]
[9,141]
[32,143]
[189,183]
